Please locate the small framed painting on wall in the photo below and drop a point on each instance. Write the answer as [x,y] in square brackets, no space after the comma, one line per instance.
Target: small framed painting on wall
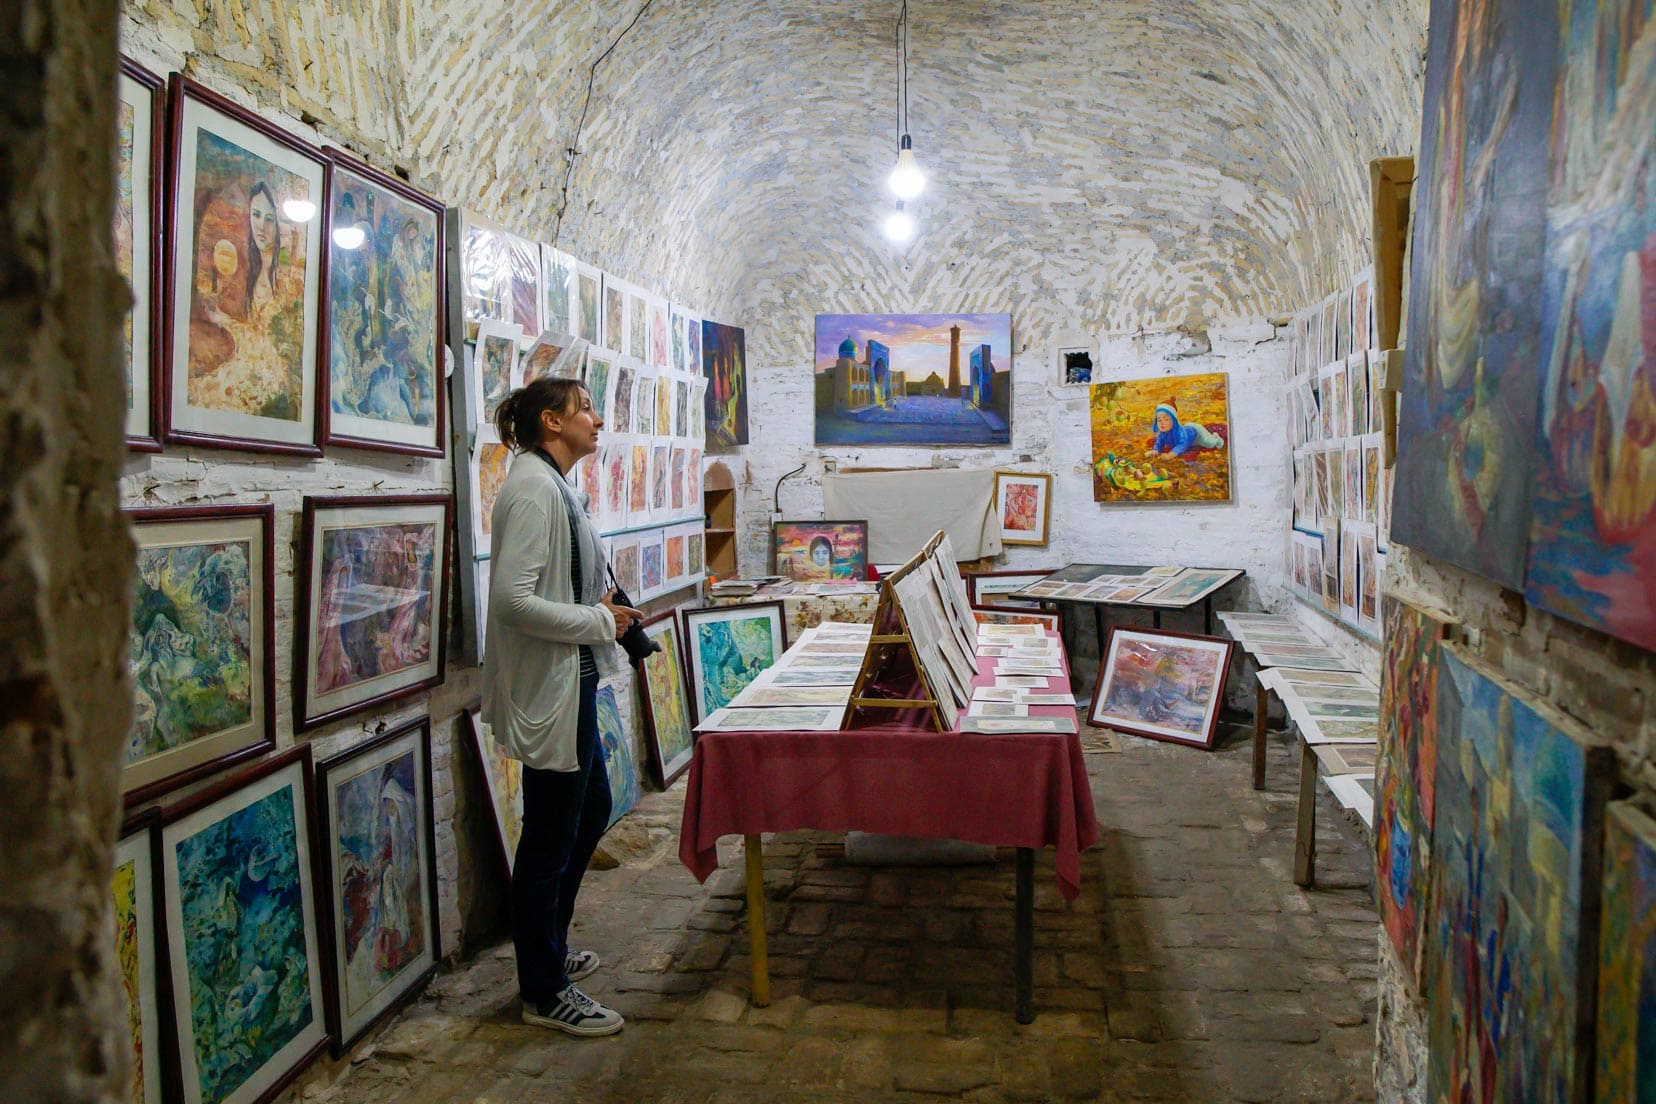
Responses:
[1022,502]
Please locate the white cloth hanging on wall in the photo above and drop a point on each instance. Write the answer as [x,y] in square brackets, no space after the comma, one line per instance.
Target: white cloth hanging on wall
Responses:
[904,508]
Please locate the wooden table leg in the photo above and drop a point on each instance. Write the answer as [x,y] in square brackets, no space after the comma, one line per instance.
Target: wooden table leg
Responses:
[756,919]
[1305,833]
[1262,708]
[1023,937]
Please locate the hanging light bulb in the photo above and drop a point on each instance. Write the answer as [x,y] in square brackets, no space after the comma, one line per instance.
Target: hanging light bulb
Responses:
[299,210]
[349,237]
[906,180]
[899,225]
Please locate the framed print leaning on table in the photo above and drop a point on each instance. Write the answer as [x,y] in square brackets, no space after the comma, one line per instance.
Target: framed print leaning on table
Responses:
[244,278]
[1161,684]
[729,647]
[819,551]
[666,703]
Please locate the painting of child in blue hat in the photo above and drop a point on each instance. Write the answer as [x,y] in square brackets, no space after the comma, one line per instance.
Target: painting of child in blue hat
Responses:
[1186,455]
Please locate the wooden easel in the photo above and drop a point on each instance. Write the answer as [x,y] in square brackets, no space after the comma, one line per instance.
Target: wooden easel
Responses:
[892,656]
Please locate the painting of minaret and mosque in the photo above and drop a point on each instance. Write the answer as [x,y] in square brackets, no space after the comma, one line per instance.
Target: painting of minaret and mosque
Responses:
[913,379]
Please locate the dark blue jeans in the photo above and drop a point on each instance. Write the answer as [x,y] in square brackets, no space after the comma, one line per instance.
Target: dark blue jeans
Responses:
[564,815]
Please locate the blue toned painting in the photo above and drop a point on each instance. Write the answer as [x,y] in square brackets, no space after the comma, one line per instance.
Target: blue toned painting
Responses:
[382,305]
[1627,966]
[618,756]
[732,654]
[244,941]
[1593,525]
[1517,802]
[374,612]
[381,880]
[191,645]
[913,379]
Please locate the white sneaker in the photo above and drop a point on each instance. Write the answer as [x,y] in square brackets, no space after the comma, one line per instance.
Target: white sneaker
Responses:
[577,1014]
[580,964]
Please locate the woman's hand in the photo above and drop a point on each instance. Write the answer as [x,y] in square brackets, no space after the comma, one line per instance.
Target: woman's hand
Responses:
[624,615]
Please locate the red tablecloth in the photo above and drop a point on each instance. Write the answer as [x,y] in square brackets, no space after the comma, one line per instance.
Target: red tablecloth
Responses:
[1008,790]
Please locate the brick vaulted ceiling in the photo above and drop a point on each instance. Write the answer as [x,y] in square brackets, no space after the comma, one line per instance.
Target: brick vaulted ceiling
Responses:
[1129,164]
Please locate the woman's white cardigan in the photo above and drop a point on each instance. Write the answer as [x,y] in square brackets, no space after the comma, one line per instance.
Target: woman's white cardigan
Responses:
[531,654]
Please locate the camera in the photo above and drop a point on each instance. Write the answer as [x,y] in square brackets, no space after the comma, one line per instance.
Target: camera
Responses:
[634,641]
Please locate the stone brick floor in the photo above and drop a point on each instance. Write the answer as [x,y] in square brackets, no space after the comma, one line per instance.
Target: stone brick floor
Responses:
[1190,969]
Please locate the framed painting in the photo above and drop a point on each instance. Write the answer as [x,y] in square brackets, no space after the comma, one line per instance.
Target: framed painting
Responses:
[500,274]
[372,593]
[503,776]
[243,278]
[1513,929]
[724,363]
[666,700]
[143,986]
[201,644]
[1164,439]
[729,647]
[379,873]
[140,128]
[1627,956]
[1161,684]
[382,287]
[1466,417]
[1000,588]
[494,367]
[913,379]
[619,762]
[819,551]
[1022,501]
[242,937]
[1592,536]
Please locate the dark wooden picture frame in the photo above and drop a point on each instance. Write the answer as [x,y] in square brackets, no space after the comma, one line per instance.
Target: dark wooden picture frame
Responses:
[1005,600]
[148,303]
[262,669]
[155,1077]
[701,613]
[328,433]
[287,1062]
[306,590]
[1222,646]
[402,988]
[667,768]
[181,237]
[858,528]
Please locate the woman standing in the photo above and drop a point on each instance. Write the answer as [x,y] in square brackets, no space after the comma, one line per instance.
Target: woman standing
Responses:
[551,629]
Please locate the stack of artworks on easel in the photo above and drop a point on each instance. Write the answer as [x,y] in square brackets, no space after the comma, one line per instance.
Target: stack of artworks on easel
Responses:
[533,311]
[1341,484]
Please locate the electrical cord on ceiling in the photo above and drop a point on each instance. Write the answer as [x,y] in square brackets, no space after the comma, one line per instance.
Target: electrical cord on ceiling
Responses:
[574,149]
[902,70]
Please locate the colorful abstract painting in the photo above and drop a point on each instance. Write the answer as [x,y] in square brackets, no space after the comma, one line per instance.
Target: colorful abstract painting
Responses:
[638,480]
[1165,439]
[1627,959]
[819,551]
[503,776]
[651,565]
[382,324]
[378,817]
[724,363]
[247,259]
[490,464]
[242,937]
[913,379]
[667,709]
[600,372]
[1593,535]
[1164,685]
[1406,773]
[133,888]
[1518,804]
[730,647]
[1466,416]
[372,588]
[618,756]
[624,558]
[495,363]
[197,643]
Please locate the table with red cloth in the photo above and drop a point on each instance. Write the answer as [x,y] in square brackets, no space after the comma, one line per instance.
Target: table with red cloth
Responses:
[1025,790]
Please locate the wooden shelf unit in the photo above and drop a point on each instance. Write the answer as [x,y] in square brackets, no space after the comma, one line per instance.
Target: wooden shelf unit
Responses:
[719,506]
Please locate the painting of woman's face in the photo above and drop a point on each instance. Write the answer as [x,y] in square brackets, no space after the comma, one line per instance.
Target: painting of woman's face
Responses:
[261,215]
